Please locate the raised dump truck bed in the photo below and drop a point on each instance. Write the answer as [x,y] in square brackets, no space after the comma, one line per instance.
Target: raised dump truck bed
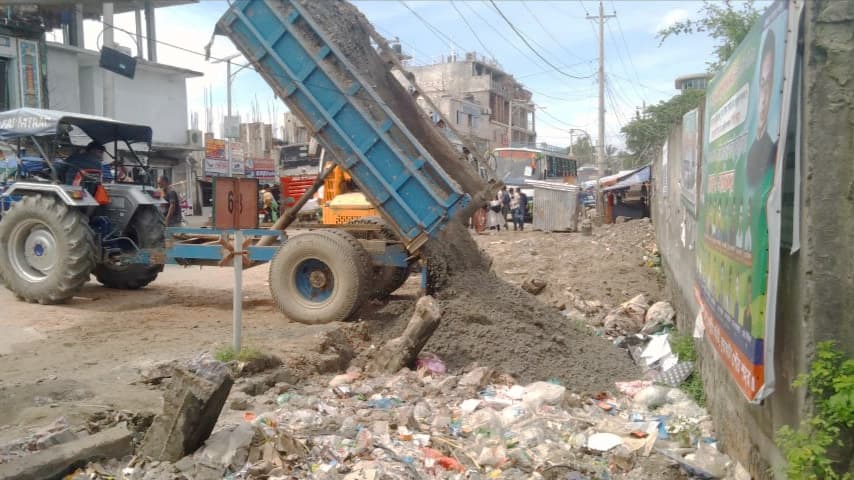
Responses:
[296,58]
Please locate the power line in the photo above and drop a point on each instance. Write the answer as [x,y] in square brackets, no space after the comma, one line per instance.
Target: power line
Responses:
[432,28]
[547,32]
[622,62]
[626,44]
[522,37]
[473,32]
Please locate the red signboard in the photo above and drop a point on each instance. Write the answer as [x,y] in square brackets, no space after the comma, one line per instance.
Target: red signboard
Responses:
[235,203]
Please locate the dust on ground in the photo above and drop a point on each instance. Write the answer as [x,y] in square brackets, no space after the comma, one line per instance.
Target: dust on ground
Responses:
[85,357]
[488,319]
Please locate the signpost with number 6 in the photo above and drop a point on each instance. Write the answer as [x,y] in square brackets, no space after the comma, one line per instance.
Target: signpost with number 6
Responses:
[235,207]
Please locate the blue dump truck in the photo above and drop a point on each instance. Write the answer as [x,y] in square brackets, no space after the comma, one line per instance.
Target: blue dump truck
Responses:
[316,276]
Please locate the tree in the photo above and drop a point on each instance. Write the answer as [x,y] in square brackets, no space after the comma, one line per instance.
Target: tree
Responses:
[583,150]
[650,128]
[723,22]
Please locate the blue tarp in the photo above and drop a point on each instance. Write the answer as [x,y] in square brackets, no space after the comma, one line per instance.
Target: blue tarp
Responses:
[636,177]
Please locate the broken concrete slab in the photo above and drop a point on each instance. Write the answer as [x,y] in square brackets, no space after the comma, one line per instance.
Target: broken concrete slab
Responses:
[58,460]
[191,407]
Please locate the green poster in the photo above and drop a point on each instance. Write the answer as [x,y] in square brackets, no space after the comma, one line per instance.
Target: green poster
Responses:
[742,128]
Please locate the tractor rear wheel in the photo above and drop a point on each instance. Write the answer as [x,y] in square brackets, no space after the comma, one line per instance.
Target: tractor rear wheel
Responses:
[386,279]
[146,229]
[319,277]
[47,250]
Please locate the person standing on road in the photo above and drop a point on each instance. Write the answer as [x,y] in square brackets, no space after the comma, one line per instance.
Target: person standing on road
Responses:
[505,205]
[514,206]
[174,218]
[493,217]
[523,210]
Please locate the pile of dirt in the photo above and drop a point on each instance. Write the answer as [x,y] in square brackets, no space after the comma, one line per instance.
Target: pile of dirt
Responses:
[493,323]
[485,319]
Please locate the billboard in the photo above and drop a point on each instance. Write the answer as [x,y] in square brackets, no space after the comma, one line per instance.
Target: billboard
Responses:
[742,127]
[237,158]
[264,169]
[216,162]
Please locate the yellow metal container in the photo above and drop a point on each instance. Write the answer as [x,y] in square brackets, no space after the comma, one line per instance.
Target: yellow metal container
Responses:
[347,207]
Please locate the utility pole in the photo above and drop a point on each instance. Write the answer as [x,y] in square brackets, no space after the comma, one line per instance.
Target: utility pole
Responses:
[601,150]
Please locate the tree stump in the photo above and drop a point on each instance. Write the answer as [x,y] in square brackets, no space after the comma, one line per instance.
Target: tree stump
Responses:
[400,352]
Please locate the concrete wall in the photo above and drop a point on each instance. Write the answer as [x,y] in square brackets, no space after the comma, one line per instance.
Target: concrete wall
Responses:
[155,96]
[814,299]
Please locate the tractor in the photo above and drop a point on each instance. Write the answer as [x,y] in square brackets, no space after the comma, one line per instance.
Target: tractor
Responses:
[54,233]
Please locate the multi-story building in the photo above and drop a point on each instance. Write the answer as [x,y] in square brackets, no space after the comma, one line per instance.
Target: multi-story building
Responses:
[257,139]
[68,77]
[482,102]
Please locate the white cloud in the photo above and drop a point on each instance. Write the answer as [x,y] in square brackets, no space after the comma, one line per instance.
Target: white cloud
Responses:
[673,16]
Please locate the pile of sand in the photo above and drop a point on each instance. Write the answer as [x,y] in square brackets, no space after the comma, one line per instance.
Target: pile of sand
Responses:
[485,319]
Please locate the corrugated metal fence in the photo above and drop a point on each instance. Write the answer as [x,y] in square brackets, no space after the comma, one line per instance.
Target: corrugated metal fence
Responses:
[555,206]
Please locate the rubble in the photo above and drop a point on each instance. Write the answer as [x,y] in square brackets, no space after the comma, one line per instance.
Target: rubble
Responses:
[659,316]
[533,286]
[191,406]
[482,424]
[628,318]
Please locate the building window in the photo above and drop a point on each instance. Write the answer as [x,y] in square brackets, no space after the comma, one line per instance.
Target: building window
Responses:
[460,116]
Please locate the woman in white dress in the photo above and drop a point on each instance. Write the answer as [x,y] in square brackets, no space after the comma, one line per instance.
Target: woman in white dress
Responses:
[493,217]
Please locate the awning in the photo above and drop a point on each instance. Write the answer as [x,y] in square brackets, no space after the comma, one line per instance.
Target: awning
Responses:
[636,177]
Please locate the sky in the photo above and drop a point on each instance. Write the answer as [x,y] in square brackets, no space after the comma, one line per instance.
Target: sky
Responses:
[637,68]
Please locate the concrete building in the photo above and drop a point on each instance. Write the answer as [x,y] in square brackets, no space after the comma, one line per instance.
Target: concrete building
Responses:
[480,100]
[694,81]
[257,139]
[293,131]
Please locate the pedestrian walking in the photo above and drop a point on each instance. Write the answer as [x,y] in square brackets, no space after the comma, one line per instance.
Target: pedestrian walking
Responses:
[493,217]
[504,196]
[519,220]
[514,206]
[174,217]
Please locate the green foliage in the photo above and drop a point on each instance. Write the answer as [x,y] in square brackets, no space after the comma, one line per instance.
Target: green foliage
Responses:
[227,354]
[683,346]
[649,130]
[808,449]
[720,20]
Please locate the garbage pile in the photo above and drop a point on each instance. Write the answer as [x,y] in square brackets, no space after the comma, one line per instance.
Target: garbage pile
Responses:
[429,424]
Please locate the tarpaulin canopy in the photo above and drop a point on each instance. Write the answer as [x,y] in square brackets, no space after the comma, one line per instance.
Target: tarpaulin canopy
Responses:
[636,177]
[27,122]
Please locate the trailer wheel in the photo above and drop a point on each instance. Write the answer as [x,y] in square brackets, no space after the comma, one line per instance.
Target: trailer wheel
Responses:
[319,277]
[47,250]
[147,230]
[386,279]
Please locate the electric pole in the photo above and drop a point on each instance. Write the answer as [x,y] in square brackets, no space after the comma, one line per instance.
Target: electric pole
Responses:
[601,19]
[600,161]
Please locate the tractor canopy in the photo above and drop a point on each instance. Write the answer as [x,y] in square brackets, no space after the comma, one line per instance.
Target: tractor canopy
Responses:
[35,122]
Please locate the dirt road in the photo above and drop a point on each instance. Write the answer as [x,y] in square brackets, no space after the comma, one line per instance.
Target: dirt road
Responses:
[77,359]
[85,357]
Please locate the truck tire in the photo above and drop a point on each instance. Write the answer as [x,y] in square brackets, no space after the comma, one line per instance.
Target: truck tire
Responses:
[47,250]
[147,230]
[385,279]
[319,277]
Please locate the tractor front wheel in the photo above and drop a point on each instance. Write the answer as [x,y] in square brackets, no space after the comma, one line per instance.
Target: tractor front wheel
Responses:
[47,250]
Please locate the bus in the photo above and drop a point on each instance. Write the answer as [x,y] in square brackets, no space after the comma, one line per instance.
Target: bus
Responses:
[515,165]
[587,173]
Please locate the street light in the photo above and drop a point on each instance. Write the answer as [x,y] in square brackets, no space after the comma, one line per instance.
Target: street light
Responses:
[229,76]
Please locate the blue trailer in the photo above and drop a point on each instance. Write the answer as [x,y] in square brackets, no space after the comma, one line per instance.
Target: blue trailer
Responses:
[323,274]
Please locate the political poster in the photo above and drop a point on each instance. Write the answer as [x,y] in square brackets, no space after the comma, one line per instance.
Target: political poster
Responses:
[690,154]
[216,163]
[742,128]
